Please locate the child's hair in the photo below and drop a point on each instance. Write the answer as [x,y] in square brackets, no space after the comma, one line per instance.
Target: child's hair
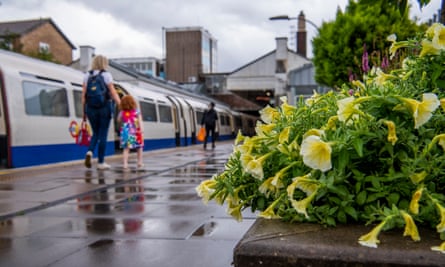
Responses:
[128,103]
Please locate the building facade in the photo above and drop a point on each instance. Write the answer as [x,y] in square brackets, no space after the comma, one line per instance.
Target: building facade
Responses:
[264,80]
[31,37]
[146,65]
[190,51]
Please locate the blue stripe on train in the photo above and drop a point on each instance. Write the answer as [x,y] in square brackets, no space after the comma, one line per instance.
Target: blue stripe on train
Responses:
[24,156]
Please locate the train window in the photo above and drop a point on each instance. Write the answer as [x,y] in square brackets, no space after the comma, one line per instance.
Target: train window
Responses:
[44,99]
[199,115]
[165,114]
[148,111]
[78,107]
[224,119]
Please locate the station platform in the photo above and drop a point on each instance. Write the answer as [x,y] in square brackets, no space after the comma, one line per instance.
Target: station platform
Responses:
[67,215]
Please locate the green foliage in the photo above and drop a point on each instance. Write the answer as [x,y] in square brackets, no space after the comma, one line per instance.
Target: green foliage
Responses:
[43,55]
[339,47]
[372,153]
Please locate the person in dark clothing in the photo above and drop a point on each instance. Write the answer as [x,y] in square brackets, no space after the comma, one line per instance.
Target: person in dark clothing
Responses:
[209,122]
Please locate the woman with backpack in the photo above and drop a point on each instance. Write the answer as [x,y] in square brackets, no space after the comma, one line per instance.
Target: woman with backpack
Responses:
[98,93]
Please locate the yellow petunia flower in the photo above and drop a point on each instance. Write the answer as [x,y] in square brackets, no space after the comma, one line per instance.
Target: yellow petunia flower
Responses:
[414,204]
[382,77]
[262,129]
[416,178]
[267,187]
[438,39]
[284,135]
[255,166]
[331,124]
[422,111]
[316,153]
[205,189]
[269,114]
[396,46]
[428,48]
[239,138]
[315,132]
[245,159]
[301,205]
[392,137]
[440,139]
[391,38]
[441,226]
[313,99]
[234,209]
[440,248]
[347,109]
[370,239]
[431,31]
[410,227]
[304,183]
[358,84]
[269,213]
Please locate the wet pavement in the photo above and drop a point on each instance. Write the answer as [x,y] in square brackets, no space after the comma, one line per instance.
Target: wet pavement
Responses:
[66,215]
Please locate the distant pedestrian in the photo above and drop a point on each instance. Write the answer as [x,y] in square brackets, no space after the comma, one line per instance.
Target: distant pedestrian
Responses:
[131,130]
[99,115]
[209,122]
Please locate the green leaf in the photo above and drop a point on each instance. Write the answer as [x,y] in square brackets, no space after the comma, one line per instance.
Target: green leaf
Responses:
[330,221]
[341,217]
[361,197]
[393,198]
[351,212]
[358,146]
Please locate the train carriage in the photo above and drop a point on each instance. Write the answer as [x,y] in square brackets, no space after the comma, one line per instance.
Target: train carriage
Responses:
[41,111]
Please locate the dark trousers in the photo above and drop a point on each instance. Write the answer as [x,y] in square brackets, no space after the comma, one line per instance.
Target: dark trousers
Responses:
[210,130]
[100,122]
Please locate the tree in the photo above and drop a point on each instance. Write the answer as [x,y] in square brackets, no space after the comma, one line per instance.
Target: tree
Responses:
[363,27]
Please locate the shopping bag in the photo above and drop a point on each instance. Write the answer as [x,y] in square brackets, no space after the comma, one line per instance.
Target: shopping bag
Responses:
[201,134]
[83,137]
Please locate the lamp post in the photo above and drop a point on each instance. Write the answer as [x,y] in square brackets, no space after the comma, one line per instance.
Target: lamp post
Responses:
[301,29]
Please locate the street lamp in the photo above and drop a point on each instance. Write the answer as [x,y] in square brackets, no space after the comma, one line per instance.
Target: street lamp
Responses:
[286,17]
[300,35]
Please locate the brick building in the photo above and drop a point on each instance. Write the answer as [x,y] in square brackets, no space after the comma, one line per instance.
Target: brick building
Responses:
[190,51]
[31,37]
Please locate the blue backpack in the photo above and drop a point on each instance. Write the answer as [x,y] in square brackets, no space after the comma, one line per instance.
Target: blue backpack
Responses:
[97,91]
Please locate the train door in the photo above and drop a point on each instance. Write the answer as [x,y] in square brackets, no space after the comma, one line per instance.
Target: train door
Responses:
[176,120]
[4,148]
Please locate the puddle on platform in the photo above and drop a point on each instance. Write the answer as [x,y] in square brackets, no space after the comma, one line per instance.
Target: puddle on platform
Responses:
[101,243]
[205,230]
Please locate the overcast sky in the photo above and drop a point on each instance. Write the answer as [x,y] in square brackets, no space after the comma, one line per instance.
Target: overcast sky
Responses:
[119,28]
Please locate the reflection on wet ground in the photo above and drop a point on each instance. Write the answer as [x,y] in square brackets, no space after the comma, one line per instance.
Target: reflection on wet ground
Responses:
[73,217]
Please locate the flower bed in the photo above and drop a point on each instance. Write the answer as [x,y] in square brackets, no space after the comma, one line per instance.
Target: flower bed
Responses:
[374,152]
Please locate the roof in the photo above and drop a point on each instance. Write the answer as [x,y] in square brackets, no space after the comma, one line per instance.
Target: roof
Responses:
[25,26]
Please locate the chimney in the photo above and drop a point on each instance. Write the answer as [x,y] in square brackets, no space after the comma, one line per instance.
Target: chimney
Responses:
[301,35]
[281,48]
[86,57]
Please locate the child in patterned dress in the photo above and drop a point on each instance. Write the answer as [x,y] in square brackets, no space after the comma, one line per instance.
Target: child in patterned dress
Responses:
[131,130]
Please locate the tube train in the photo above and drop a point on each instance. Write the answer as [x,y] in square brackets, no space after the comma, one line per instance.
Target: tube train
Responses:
[41,103]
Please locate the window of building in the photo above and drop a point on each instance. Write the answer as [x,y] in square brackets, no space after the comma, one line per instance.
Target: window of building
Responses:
[280,67]
[148,111]
[45,100]
[43,47]
[165,114]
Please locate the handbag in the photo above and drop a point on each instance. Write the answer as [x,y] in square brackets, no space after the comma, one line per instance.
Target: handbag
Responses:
[83,138]
[201,134]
